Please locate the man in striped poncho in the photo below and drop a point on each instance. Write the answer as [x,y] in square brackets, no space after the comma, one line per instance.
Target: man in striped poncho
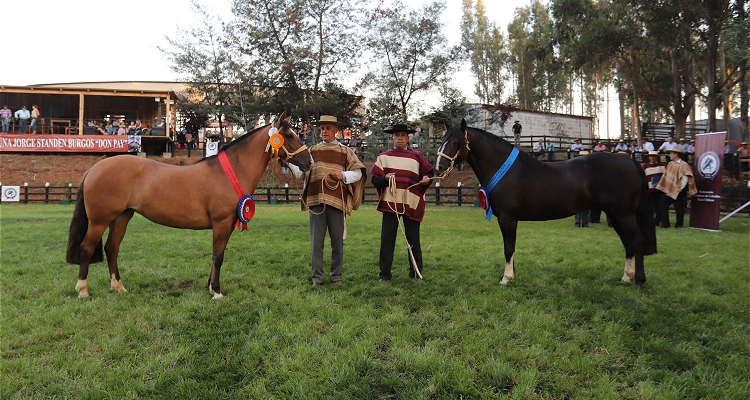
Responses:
[333,188]
[410,172]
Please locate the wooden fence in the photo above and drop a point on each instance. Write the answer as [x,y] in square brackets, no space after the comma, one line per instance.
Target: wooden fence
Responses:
[732,197]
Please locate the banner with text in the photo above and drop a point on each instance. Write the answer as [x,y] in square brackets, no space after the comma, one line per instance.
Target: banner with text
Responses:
[63,143]
[707,169]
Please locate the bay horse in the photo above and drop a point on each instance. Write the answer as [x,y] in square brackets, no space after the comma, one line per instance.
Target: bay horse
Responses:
[198,196]
[521,188]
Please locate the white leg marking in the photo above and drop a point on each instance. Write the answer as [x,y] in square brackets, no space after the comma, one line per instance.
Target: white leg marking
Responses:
[629,269]
[217,295]
[116,285]
[82,287]
[508,275]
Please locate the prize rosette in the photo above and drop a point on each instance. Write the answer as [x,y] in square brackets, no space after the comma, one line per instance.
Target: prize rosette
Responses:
[483,201]
[246,209]
[276,141]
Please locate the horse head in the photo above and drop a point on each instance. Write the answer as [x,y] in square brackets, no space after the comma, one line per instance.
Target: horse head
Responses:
[295,151]
[453,150]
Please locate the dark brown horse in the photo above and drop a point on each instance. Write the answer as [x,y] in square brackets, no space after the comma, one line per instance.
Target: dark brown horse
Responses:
[524,189]
[199,196]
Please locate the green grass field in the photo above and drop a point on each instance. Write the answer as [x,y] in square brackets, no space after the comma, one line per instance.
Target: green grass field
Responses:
[566,327]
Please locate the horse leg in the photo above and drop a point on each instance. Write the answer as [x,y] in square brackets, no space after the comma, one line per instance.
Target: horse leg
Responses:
[508,228]
[94,234]
[112,248]
[221,237]
[631,238]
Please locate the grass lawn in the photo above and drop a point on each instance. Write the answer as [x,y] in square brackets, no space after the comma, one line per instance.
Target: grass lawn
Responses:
[566,327]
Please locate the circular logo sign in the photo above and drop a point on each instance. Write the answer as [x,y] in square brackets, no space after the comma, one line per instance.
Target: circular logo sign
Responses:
[709,164]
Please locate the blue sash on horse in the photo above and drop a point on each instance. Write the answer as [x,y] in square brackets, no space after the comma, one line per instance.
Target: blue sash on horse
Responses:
[496,178]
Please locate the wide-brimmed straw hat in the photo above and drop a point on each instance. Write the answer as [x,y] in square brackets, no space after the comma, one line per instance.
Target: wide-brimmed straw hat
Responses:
[327,119]
[399,128]
[653,153]
[676,150]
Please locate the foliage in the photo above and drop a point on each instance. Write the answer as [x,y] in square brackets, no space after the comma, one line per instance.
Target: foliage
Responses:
[202,58]
[541,82]
[411,52]
[290,50]
[565,327]
[484,41]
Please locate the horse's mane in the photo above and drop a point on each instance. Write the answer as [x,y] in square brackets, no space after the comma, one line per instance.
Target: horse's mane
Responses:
[284,125]
[526,158]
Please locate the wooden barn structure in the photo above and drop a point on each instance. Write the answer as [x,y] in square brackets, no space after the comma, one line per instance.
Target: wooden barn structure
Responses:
[67,107]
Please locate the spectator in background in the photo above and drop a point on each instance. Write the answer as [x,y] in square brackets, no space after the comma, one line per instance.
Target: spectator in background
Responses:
[647,146]
[35,114]
[538,149]
[654,169]
[682,145]
[5,118]
[600,147]
[112,127]
[744,153]
[550,148]
[189,140]
[636,151]
[621,147]
[22,116]
[691,147]
[123,128]
[576,147]
[517,129]
[668,145]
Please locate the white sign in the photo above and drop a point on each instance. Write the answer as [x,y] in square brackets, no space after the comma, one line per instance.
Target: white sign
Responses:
[11,193]
[212,149]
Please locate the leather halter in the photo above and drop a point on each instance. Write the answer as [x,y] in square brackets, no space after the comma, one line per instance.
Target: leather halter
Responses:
[453,159]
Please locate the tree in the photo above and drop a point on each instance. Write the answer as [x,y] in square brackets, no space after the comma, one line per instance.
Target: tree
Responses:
[540,81]
[485,43]
[200,56]
[411,50]
[290,48]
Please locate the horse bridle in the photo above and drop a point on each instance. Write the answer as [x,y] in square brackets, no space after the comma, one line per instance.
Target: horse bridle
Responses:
[455,156]
[289,156]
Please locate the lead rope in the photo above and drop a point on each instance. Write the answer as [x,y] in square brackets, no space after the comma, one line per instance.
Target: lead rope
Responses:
[392,191]
[332,187]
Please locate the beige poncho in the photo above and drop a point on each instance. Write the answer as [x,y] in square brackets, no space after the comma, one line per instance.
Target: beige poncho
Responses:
[670,182]
[328,158]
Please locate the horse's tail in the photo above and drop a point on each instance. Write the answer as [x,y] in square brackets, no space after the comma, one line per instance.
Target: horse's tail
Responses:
[645,216]
[78,228]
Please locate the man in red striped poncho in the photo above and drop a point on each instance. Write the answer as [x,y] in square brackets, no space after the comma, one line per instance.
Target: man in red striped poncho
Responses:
[410,172]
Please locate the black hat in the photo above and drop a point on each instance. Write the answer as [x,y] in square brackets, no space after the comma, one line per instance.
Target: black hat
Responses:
[399,128]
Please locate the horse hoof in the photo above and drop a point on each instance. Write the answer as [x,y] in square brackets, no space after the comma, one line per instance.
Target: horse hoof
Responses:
[505,281]
[217,296]
[626,278]
[117,286]
[83,294]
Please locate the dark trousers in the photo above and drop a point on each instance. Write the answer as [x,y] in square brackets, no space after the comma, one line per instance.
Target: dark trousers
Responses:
[679,207]
[656,201]
[582,218]
[388,232]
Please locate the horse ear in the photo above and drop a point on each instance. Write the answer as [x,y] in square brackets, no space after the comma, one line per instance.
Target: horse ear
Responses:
[281,118]
[463,124]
